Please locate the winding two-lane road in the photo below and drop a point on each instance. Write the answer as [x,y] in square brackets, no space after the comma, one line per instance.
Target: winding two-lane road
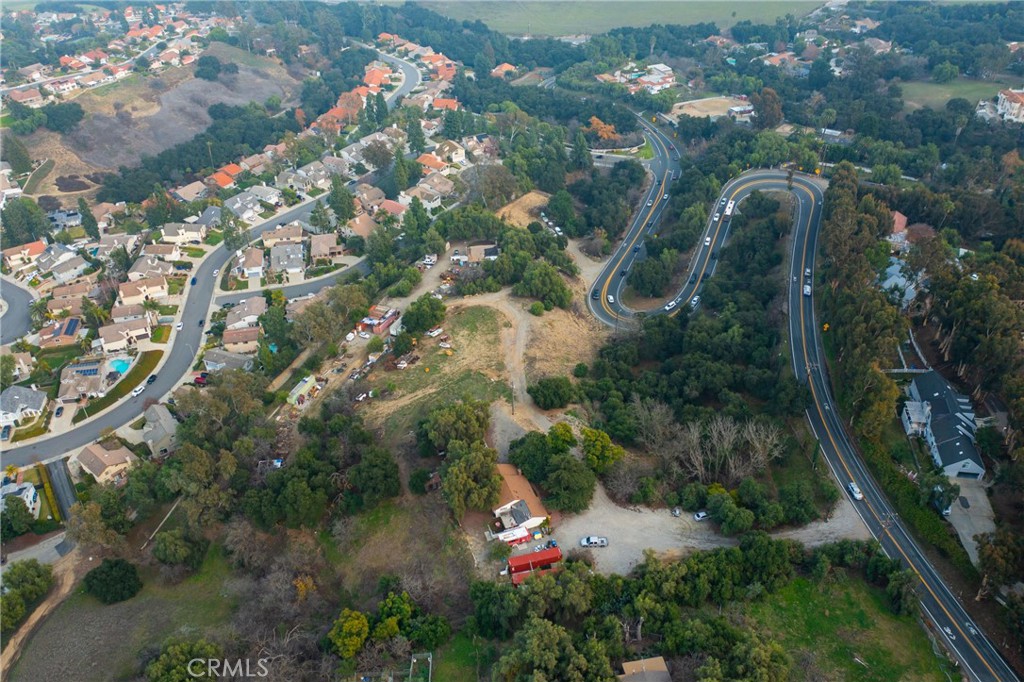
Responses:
[960,635]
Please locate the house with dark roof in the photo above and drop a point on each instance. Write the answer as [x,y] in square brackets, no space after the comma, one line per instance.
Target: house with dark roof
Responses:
[216,359]
[944,418]
[160,433]
[18,403]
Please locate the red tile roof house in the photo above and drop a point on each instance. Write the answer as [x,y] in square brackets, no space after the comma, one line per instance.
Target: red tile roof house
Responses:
[444,103]
[73,63]
[389,206]
[18,258]
[232,169]
[220,180]
[431,162]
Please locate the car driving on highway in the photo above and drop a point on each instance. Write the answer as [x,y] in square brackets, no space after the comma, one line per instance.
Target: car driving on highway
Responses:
[670,305]
[855,491]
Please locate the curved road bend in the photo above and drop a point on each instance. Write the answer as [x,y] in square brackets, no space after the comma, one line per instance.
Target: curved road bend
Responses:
[185,343]
[963,637]
[15,322]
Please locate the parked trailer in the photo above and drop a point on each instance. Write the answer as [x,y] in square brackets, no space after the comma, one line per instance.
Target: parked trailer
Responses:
[729,207]
[534,560]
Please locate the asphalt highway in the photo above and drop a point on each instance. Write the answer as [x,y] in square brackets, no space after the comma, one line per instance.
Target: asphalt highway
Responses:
[951,624]
[184,344]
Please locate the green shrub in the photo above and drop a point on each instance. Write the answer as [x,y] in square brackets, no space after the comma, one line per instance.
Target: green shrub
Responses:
[113,581]
[537,308]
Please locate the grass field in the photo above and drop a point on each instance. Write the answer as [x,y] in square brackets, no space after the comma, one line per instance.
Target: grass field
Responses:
[142,368]
[845,630]
[161,334]
[82,626]
[565,18]
[40,426]
[920,94]
[38,175]
[464,659]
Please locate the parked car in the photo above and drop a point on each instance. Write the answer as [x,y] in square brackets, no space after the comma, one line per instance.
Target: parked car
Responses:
[59,411]
[179,326]
[855,491]
[594,541]
[6,433]
[364,335]
[193,281]
[216,272]
[137,391]
[151,379]
[700,516]
[202,322]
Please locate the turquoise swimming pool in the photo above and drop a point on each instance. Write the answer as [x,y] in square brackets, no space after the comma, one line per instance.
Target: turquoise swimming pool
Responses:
[120,365]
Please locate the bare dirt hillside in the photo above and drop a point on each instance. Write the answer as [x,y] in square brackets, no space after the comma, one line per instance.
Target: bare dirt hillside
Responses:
[146,114]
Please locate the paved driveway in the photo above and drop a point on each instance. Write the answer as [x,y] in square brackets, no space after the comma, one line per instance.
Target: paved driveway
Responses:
[972,515]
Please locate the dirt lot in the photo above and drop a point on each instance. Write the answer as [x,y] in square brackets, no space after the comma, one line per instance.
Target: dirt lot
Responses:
[714,107]
[526,209]
[632,530]
[143,115]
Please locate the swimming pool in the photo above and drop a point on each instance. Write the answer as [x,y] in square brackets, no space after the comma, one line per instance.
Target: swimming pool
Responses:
[120,365]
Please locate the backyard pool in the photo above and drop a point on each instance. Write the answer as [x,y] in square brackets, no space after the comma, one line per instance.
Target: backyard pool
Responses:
[120,365]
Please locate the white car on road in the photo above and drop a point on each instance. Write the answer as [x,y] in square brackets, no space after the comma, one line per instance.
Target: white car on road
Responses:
[137,391]
[670,305]
[179,326]
[855,491]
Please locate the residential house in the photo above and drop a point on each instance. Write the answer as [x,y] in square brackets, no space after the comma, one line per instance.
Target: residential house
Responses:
[429,198]
[482,251]
[251,264]
[69,297]
[118,337]
[378,320]
[257,164]
[877,45]
[62,333]
[317,174]
[53,255]
[293,180]
[148,267]
[645,670]
[30,97]
[193,191]
[289,259]
[104,213]
[242,340]
[369,196]
[396,137]
[166,252]
[9,188]
[62,220]
[335,165]
[98,57]
[432,163]
[389,206]
[519,506]
[325,247]
[142,290]
[69,270]
[109,242]
[107,466]
[64,86]
[450,151]
[445,104]
[23,363]
[210,217]
[246,313]
[438,183]
[72,63]
[128,313]
[502,70]
[864,25]
[362,225]
[183,233]
[268,195]
[945,419]
[220,180]
[82,381]
[898,237]
[33,72]
[1010,105]
[431,126]
[19,404]
[216,359]
[292,233]
[24,491]
[245,205]
[161,430]
[480,147]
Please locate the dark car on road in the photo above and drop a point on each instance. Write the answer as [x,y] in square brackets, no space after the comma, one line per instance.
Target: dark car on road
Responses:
[151,379]
[59,411]
[193,281]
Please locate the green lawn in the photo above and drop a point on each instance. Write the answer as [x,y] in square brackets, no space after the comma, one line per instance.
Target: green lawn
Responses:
[917,95]
[58,357]
[463,659]
[38,428]
[175,285]
[847,628]
[194,252]
[142,368]
[161,334]
[197,606]
[562,18]
[213,238]
[168,310]
[38,175]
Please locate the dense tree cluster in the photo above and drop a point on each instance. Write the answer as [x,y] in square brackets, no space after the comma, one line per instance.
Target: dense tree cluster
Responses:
[113,580]
[61,118]
[25,583]
[548,461]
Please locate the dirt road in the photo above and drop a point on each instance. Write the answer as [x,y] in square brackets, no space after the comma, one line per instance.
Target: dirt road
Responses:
[66,572]
[631,531]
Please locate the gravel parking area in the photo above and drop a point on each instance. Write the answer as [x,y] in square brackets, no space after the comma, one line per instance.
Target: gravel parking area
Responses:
[631,531]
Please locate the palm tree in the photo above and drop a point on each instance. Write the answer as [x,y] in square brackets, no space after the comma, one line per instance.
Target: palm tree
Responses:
[39,313]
